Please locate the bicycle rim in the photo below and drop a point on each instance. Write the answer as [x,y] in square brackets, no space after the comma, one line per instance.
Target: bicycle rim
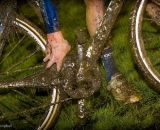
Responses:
[146,44]
[25,108]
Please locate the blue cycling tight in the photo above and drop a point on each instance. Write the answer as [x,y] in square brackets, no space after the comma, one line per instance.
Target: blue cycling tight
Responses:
[49,12]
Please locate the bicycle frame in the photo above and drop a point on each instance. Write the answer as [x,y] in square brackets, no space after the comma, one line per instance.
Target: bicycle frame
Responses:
[79,77]
[96,45]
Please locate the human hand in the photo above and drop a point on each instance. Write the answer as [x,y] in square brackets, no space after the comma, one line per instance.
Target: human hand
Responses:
[57,49]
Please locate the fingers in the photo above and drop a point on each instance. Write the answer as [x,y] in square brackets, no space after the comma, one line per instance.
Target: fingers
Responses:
[46,58]
[59,65]
[51,61]
[48,49]
[48,53]
[55,61]
[55,54]
[50,58]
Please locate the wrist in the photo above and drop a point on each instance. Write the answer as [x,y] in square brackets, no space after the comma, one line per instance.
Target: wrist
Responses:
[57,37]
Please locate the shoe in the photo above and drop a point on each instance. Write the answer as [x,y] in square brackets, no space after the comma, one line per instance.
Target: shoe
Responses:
[121,90]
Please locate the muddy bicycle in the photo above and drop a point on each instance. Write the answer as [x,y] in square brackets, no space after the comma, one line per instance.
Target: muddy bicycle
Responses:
[38,90]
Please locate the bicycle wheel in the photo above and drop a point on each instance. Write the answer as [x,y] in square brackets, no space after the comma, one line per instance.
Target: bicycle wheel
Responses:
[25,108]
[145,37]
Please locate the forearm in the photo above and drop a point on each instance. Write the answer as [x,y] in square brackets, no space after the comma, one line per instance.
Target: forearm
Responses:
[57,46]
[50,16]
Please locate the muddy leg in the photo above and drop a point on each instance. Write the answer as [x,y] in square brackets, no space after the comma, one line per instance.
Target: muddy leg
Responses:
[94,14]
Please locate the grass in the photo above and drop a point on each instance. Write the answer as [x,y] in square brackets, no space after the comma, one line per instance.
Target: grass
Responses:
[107,113]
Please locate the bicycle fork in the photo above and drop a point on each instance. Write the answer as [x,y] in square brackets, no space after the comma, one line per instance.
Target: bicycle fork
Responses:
[82,109]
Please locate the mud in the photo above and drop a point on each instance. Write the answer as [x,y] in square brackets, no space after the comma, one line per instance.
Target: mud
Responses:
[79,77]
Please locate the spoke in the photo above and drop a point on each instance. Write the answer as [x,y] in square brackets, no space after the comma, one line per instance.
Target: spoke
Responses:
[12,49]
[7,107]
[29,119]
[17,31]
[149,19]
[34,74]
[23,114]
[1,46]
[21,70]
[47,78]
[157,64]
[28,98]
[151,33]
[22,61]
[151,38]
